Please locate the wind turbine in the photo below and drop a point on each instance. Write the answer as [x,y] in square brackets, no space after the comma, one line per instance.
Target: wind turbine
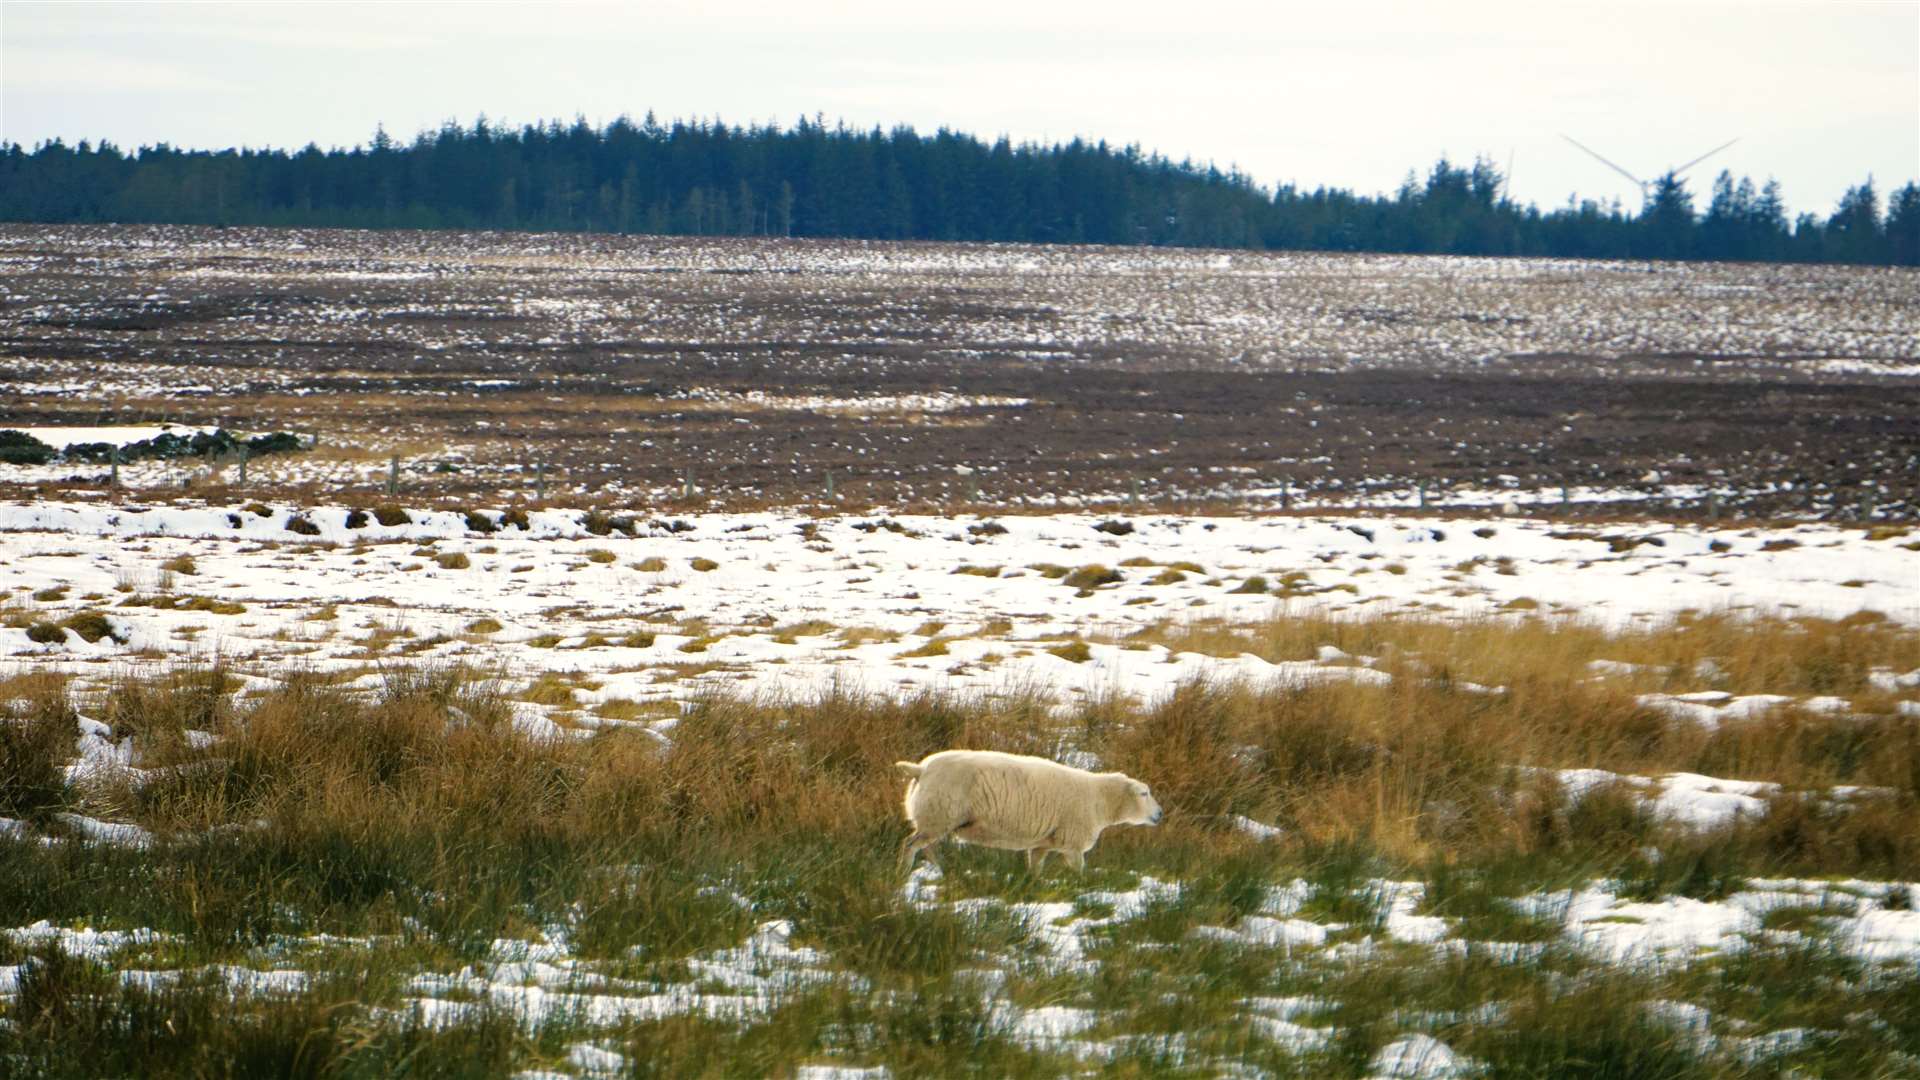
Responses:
[1646,186]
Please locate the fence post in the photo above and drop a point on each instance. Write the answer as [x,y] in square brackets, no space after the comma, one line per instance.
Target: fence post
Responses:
[1135,497]
[829,483]
[539,482]
[686,483]
[113,476]
[393,475]
[1421,489]
[1286,492]
[243,464]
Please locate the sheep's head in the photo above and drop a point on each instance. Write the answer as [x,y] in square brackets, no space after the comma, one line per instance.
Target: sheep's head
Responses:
[1138,806]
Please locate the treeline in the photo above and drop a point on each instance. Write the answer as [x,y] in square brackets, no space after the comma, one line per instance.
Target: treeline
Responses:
[814,180]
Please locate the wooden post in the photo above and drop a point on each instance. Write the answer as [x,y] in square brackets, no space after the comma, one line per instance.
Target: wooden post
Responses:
[243,464]
[1135,497]
[539,482]
[113,475]
[1866,505]
[1421,489]
[1713,506]
[1286,492]
[393,475]
[686,484]
[829,483]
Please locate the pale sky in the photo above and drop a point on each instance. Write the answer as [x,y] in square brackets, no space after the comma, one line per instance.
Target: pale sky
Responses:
[1820,93]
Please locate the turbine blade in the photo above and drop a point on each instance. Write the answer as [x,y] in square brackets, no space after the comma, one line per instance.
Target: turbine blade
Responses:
[1641,184]
[1702,157]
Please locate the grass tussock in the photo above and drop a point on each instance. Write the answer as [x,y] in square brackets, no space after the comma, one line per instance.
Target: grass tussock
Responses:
[159,711]
[37,724]
[1092,576]
[181,564]
[1075,652]
[170,602]
[92,626]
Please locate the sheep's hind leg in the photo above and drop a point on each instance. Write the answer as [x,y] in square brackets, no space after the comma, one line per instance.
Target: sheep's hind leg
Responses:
[1036,856]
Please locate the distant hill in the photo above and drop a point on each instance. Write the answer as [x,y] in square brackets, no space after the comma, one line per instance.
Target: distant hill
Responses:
[813,180]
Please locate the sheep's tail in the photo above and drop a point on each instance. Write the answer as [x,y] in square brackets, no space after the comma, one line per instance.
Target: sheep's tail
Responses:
[909,769]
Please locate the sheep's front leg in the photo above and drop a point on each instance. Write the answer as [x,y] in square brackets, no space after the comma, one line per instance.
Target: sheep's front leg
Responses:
[1036,856]
[915,845]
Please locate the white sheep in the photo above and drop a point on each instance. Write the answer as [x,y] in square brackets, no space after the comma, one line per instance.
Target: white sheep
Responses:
[1019,803]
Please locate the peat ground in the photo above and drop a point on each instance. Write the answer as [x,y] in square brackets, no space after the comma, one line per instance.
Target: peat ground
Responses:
[742,372]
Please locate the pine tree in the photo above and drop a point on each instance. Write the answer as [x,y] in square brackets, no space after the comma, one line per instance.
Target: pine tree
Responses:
[1903,226]
[1853,232]
[1667,221]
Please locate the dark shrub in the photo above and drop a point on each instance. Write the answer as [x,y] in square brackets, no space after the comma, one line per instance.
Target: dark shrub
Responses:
[280,442]
[20,448]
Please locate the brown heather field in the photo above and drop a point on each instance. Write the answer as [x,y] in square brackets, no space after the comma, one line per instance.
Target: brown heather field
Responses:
[623,367]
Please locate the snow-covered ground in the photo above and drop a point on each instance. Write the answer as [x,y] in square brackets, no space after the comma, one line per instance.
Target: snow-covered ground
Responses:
[789,605]
[62,437]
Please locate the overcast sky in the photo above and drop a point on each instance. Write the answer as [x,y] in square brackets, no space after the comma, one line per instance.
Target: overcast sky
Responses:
[1820,93]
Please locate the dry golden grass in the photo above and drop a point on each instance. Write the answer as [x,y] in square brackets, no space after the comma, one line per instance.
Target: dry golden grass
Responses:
[1418,769]
[1802,656]
[791,633]
[856,636]
[36,738]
